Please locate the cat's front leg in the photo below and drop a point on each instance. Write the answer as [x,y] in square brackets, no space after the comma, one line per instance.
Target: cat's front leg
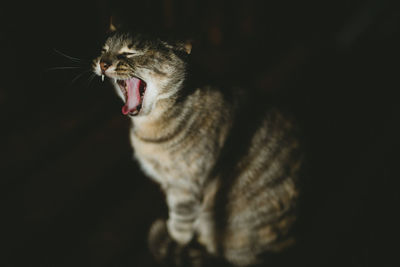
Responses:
[170,241]
[183,208]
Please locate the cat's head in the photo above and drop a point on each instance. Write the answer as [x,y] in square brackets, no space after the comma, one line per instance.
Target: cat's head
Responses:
[143,70]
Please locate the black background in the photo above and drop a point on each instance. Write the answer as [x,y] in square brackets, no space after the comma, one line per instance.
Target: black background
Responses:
[70,193]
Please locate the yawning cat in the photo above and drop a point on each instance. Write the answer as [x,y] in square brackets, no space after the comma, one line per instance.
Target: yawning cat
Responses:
[227,161]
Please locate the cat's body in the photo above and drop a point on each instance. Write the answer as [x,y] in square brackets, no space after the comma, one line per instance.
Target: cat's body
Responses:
[227,165]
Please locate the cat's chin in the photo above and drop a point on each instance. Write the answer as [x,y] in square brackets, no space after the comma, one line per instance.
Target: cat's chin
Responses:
[133,90]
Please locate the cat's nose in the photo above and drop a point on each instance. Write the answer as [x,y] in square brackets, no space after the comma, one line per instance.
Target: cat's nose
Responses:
[104,66]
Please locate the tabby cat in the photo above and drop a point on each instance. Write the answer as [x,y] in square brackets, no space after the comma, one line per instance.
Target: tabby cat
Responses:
[227,161]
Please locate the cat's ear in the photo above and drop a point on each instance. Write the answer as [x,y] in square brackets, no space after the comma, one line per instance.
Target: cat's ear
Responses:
[185,46]
[114,24]
[188,46]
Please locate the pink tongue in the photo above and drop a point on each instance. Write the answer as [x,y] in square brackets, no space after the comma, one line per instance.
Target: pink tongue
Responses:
[133,96]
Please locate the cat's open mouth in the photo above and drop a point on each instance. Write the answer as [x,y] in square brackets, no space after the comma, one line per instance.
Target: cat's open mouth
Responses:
[133,90]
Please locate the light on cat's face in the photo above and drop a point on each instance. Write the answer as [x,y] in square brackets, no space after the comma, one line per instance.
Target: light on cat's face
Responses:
[142,71]
[115,63]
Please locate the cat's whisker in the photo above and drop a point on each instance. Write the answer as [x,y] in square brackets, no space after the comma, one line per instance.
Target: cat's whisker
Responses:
[64,68]
[69,57]
[90,79]
[79,76]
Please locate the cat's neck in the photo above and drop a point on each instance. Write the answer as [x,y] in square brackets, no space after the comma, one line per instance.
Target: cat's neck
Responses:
[159,122]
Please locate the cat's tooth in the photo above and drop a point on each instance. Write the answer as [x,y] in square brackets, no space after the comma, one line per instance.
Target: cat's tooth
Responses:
[102,77]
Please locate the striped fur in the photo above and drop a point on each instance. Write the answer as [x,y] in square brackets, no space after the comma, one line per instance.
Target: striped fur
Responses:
[228,163]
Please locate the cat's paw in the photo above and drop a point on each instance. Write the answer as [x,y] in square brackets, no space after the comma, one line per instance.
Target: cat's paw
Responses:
[159,240]
[195,255]
[168,252]
[165,250]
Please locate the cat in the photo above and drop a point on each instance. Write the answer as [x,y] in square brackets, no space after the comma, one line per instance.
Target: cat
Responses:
[227,160]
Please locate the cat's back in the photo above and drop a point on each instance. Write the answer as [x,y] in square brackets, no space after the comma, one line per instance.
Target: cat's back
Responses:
[259,174]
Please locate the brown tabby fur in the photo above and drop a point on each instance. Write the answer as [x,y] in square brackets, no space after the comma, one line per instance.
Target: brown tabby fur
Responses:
[227,161]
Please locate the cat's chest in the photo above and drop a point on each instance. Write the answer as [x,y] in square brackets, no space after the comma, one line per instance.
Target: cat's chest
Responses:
[154,161]
[168,164]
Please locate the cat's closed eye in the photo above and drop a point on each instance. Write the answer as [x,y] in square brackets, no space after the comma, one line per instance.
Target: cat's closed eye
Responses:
[125,55]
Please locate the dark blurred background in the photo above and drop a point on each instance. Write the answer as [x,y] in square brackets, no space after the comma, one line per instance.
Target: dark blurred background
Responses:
[71,194]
